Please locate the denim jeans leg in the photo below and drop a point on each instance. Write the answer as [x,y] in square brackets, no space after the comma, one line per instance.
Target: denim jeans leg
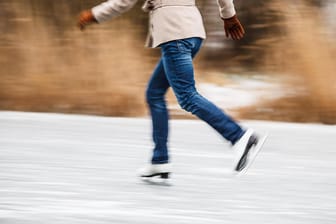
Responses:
[177,62]
[156,90]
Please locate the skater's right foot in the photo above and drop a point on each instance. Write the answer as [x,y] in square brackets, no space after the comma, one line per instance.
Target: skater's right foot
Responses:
[152,170]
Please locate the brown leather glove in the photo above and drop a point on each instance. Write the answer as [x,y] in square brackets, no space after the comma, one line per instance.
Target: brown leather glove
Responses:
[233,28]
[86,18]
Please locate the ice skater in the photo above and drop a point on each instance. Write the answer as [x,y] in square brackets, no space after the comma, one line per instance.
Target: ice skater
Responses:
[176,27]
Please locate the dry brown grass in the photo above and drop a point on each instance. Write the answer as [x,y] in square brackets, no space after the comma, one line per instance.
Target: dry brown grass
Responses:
[105,69]
[305,52]
[93,72]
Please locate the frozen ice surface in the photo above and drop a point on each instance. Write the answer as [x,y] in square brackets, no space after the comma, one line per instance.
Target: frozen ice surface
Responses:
[82,169]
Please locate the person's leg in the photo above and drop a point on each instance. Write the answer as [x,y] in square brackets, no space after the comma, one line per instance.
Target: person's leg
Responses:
[156,89]
[177,62]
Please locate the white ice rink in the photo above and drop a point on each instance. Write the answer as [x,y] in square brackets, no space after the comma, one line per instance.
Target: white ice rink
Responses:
[80,169]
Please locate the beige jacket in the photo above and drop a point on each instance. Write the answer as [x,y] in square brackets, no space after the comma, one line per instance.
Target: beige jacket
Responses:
[169,19]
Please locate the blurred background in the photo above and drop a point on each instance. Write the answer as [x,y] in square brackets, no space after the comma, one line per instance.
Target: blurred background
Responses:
[282,70]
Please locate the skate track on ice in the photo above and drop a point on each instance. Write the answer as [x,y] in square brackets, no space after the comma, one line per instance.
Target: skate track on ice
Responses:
[69,169]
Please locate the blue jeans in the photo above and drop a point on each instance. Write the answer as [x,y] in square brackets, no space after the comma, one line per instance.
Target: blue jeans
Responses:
[175,69]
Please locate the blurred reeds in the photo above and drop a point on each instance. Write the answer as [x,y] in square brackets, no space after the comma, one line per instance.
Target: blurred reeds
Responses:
[305,53]
[53,68]
[47,64]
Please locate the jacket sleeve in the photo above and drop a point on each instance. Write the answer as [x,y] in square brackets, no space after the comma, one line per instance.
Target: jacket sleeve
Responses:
[111,8]
[226,8]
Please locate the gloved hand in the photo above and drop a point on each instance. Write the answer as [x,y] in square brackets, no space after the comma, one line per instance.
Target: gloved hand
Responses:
[233,28]
[86,18]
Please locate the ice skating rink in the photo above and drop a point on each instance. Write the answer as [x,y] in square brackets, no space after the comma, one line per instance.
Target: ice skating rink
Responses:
[82,170]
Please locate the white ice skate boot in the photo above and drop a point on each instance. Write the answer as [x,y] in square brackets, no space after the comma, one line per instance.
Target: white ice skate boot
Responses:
[246,149]
[152,170]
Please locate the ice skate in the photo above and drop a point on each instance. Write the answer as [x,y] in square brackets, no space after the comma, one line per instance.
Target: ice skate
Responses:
[247,148]
[156,170]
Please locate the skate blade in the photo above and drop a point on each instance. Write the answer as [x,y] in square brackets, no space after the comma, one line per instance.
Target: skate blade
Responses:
[159,175]
[161,179]
[252,157]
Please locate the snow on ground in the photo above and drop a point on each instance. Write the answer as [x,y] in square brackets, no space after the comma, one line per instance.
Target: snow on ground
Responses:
[82,169]
[241,92]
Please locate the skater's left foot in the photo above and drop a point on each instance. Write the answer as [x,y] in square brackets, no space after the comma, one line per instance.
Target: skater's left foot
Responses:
[152,170]
[247,149]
